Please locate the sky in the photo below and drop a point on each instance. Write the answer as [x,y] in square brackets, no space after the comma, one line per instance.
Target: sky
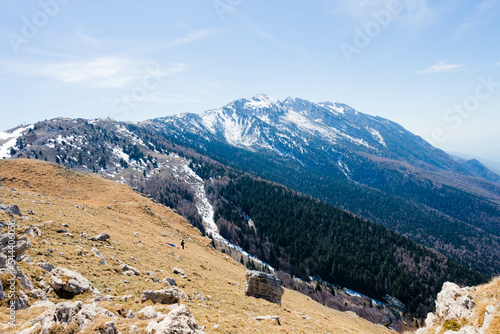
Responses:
[431,66]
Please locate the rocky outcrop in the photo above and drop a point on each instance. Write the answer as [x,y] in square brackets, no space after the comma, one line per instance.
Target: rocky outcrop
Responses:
[456,312]
[89,312]
[262,285]
[66,282]
[17,250]
[164,296]
[179,320]
[70,313]
[21,244]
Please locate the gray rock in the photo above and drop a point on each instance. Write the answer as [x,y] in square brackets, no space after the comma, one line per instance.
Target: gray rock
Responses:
[164,296]
[99,255]
[100,237]
[268,317]
[21,302]
[109,328]
[65,281]
[262,285]
[46,266]
[14,209]
[62,313]
[3,207]
[21,245]
[180,272]
[33,231]
[179,320]
[14,270]
[170,281]
[89,312]
[62,230]
[148,312]
[38,294]
[125,267]
[130,315]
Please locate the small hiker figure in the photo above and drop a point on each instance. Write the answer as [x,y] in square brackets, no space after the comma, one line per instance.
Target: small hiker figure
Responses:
[182,244]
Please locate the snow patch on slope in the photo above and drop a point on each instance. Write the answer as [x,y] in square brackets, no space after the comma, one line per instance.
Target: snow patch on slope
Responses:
[206,211]
[376,135]
[8,140]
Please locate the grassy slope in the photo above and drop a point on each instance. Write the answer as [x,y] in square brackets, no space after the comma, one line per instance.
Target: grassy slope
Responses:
[54,193]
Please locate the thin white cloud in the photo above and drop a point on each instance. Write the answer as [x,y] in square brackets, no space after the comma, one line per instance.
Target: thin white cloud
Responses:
[441,67]
[99,72]
[194,36]
[103,72]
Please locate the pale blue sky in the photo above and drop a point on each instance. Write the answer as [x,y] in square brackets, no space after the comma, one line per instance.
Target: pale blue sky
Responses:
[417,60]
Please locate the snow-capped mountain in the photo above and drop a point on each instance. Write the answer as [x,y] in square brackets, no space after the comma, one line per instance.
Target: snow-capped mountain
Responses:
[322,133]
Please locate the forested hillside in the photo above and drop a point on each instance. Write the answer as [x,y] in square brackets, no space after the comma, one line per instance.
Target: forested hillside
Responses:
[304,236]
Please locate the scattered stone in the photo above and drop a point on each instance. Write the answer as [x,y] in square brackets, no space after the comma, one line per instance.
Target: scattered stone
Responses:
[33,231]
[109,328]
[100,237]
[38,294]
[170,281]
[62,230]
[130,315]
[179,320]
[84,235]
[14,209]
[261,285]
[89,312]
[180,272]
[64,225]
[99,255]
[101,298]
[46,266]
[125,267]
[148,312]
[3,207]
[151,274]
[127,297]
[268,317]
[164,296]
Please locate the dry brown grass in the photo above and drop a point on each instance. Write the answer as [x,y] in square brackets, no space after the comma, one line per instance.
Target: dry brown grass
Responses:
[57,196]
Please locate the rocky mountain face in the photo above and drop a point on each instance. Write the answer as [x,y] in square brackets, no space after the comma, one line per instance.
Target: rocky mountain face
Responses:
[367,165]
[94,256]
[467,310]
